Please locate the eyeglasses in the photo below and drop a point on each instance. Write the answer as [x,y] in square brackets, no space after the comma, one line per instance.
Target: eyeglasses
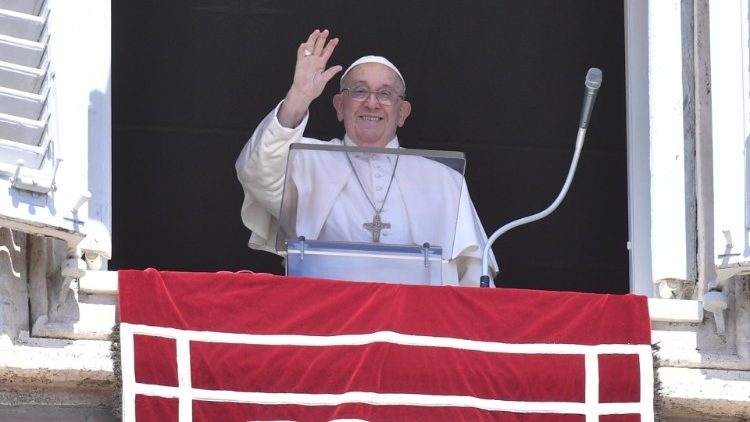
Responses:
[385,97]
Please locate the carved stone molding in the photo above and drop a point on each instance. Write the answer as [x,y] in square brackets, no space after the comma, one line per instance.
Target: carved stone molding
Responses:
[58,308]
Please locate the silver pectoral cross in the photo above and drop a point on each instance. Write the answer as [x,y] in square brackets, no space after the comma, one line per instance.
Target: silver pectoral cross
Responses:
[375,227]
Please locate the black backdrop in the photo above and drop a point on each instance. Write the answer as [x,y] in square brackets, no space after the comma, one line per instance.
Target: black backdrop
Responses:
[499,80]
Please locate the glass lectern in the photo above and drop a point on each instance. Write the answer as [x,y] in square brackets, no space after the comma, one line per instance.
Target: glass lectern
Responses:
[370,214]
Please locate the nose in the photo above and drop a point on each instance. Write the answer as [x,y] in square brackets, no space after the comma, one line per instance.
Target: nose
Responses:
[372,100]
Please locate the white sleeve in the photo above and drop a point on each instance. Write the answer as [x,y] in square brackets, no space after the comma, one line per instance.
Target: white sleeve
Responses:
[260,170]
[469,270]
[470,242]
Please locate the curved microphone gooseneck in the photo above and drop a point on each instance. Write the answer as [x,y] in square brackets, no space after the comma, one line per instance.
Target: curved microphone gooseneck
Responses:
[593,82]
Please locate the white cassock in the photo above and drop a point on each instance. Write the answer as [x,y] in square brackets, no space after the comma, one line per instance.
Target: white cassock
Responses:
[333,202]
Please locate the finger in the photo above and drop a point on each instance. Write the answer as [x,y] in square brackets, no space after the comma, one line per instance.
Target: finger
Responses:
[331,72]
[309,45]
[301,51]
[312,37]
[328,50]
[320,42]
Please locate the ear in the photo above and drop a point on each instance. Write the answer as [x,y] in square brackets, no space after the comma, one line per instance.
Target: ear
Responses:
[403,112]
[338,104]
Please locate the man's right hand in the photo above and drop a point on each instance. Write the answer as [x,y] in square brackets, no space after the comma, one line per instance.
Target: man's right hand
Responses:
[310,77]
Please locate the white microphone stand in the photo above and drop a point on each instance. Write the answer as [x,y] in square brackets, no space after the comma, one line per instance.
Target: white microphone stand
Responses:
[593,82]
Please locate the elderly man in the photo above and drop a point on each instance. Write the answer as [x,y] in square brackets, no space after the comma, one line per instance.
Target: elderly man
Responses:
[371,103]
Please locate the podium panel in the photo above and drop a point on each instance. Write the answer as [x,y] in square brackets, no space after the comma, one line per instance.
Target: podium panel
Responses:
[365,262]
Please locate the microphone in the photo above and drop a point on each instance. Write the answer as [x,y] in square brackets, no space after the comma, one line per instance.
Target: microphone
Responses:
[593,82]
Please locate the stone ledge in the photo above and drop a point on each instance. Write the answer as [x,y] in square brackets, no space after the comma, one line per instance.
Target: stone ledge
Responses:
[84,364]
[95,323]
[705,394]
[41,398]
[98,283]
[56,414]
[675,310]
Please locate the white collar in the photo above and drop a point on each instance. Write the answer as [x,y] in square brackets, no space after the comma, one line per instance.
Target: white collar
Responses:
[392,144]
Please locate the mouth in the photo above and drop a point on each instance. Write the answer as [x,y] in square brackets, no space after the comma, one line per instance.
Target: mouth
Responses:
[371,118]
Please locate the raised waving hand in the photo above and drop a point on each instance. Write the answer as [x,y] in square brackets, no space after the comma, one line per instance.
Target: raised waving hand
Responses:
[310,76]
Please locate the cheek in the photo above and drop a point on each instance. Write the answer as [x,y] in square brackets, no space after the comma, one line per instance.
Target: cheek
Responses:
[347,111]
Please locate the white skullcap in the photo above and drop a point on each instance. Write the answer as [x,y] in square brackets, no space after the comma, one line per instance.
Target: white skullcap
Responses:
[374,59]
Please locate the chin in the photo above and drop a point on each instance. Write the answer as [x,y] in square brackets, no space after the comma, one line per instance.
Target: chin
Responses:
[373,141]
[375,144]
[368,141]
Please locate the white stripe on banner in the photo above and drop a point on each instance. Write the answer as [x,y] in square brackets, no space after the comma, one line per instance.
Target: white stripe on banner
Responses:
[591,365]
[332,420]
[645,359]
[388,337]
[184,378]
[186,394]
[389,399]
[127,368]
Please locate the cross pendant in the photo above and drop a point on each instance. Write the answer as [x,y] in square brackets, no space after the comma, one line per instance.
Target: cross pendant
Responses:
[375,227]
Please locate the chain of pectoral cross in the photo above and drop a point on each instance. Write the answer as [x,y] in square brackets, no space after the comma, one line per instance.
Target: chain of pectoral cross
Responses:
[377,225]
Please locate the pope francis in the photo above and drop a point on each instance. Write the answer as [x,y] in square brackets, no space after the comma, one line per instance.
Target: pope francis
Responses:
[375,198]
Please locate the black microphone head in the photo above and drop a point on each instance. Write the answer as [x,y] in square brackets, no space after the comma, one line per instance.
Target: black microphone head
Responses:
[594,78]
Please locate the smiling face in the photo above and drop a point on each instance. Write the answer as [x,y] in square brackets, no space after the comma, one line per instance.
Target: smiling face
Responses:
[369,123]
